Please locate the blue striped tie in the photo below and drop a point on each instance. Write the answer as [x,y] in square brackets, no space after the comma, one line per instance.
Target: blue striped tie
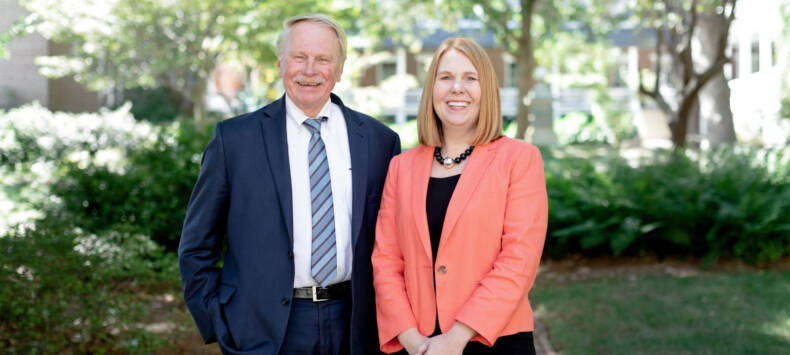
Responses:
[324,254]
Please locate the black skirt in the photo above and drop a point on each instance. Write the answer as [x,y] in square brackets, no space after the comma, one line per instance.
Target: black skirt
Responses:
[514,344]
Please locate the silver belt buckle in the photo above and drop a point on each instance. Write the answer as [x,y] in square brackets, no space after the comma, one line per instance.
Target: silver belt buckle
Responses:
[315,295]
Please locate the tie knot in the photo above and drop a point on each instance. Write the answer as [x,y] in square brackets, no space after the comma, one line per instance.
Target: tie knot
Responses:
[314,124]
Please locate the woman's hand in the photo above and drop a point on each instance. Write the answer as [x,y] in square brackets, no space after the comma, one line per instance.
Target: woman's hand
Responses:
[450,343]
[412,340]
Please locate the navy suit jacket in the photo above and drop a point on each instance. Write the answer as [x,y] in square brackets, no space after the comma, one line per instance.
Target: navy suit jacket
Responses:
[242,200]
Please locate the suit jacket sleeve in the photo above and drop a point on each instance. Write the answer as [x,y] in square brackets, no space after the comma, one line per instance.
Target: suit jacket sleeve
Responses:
[396,146]
[393,309]
[200,247]
[511,277]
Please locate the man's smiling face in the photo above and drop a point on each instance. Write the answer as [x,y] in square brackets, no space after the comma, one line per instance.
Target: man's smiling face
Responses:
[310,65]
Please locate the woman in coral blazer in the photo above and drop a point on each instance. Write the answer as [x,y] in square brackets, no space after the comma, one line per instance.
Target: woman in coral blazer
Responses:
[462,221]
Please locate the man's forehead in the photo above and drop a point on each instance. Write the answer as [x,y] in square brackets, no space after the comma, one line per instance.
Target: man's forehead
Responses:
[312,30]
[301,41]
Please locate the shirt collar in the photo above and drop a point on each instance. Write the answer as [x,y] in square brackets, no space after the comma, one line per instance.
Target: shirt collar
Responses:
[295,113]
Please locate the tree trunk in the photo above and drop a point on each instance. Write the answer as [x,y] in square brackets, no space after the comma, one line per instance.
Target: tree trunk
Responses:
[199,101]
[183,104]
[698,57]
[525,62]
[716,114]
[716,124]
[680,126]
[526,66]
[693,133]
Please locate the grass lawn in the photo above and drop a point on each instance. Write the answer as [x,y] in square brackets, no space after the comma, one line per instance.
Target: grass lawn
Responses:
[719,313]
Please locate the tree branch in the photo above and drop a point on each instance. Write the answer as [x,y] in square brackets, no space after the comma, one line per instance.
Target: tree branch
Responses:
[685,53]
[659,44]
[677,50]
[655,94]
[721,57]
[692,25]
[731,16]
[657,97]
[527,11]
[499,18]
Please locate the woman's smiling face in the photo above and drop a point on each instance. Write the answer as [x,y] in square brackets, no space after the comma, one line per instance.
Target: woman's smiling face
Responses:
[456,92]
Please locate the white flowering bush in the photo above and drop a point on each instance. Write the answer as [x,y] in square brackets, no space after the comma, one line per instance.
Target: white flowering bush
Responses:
[35,142]
[84,196]
[105,171]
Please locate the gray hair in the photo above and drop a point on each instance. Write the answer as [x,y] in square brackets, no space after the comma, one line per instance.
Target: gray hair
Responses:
[325,20]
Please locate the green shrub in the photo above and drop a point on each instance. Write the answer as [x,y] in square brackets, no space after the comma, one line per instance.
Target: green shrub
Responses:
[105,171]
[108,173]
[65,290]
[407,132]
[725,203]
[152,105]
[151,194]
[614,114]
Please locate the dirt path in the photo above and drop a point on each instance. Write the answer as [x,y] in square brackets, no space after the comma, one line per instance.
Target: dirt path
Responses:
[542,343]
[576,268]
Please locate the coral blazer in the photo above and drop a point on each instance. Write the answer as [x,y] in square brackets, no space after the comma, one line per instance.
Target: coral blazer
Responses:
[489,252]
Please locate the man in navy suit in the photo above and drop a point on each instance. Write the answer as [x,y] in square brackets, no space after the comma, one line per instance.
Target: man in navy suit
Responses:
[290,194]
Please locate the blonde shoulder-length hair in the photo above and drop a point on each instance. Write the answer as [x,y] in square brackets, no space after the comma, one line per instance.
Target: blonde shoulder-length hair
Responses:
[489,124]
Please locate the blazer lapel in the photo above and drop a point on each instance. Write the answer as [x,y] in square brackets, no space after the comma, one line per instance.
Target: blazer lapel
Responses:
[421,174]
[473,173]
[276,144]
[358,149]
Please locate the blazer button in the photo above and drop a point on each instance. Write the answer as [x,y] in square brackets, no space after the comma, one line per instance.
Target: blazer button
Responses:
[291,255]
[285,301]
[442,269]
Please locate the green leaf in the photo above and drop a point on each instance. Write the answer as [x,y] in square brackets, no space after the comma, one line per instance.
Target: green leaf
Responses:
[622,241]
[592,240]
[678,236]
[575,229]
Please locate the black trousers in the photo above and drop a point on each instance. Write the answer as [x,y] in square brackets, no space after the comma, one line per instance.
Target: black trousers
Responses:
[317,328]
[514,344]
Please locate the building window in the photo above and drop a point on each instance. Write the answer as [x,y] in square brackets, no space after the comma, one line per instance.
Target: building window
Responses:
[755,55]
[386,70]
[618,76]
[730,67]
[511,71]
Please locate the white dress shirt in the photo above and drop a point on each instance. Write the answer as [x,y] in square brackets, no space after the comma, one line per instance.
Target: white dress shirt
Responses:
[335,137]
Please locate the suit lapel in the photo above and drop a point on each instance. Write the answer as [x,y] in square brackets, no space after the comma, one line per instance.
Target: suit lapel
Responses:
[421,174]
[358,149]
[473,173]
[276,144]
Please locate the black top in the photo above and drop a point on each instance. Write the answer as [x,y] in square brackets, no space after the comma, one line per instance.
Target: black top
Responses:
[439,192]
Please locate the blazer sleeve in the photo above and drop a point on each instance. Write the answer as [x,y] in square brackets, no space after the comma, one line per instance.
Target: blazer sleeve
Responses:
[200,247]
[393,310]
[490,306]
[396,146]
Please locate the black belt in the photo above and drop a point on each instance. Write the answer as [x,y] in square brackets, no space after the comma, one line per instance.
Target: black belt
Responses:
[338,291]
